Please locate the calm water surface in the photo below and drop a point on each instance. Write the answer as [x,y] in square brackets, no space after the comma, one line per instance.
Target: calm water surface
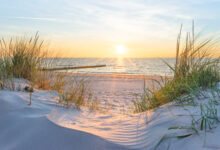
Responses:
[127,66]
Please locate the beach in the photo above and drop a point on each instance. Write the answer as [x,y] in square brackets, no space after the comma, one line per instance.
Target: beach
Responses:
[109,75]
[117,91]
[109,129]
[47,125]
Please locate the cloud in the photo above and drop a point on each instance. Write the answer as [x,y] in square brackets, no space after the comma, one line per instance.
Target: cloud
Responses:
[108,19]
[41,19]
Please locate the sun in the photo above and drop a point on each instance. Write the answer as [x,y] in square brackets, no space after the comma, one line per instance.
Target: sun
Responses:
[120,49]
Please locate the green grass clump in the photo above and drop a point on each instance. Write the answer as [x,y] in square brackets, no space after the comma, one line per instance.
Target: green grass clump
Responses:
[202,121]
[24,57]
[21,57]
[196,67]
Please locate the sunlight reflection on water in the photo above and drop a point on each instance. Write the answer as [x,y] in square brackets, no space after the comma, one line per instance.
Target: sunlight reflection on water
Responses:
[120,65]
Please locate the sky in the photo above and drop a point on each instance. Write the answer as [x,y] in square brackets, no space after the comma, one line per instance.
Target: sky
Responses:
[96,28]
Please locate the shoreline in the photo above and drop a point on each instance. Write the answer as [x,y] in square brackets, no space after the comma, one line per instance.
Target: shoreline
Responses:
[123,76]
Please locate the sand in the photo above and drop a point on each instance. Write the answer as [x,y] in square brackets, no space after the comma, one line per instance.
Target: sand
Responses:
[45,125]
[23,127]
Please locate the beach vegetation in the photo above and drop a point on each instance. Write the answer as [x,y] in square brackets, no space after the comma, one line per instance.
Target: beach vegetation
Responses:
[24,57]
[196,67]
[21,57]
[202,121]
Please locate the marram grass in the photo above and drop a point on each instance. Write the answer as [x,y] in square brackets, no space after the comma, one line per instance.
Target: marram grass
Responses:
[24,57]
[196,67]
[21,57]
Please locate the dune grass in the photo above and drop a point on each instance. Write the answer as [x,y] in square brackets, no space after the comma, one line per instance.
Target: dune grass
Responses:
[21,57]
[24,57]
[202,121]
[196,67]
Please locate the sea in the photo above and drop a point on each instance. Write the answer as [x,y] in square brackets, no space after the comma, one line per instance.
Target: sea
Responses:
[123,66]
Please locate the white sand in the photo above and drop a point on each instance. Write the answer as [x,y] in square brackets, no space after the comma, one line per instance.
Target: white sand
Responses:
[44,125]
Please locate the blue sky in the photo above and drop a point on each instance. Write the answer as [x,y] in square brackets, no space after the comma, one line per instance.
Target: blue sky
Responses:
[108,21]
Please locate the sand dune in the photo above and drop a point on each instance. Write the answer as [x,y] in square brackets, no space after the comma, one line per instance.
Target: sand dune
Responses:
[23,127]
[45,125]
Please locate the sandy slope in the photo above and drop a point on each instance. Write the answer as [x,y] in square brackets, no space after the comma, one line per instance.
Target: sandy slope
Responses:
[44,125]
[23,127]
